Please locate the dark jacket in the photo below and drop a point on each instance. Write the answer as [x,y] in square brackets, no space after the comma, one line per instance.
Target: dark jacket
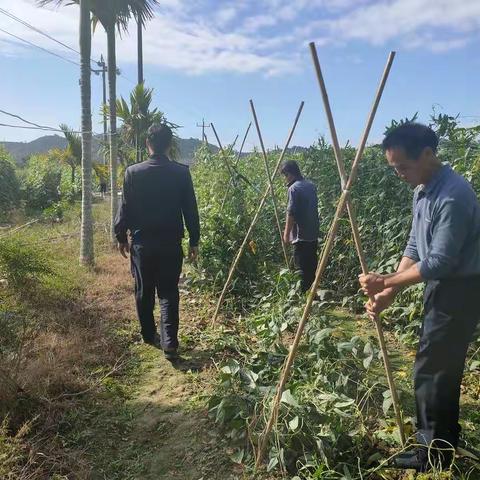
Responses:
[158,195]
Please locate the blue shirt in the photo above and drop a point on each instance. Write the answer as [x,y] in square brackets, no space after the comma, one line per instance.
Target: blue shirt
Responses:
[445,235]
[303,207]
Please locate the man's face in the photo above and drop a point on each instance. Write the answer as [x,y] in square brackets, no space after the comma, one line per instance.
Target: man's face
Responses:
[408,169]
[288,178]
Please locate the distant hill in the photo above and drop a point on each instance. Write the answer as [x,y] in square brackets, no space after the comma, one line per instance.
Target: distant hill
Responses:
[20,151]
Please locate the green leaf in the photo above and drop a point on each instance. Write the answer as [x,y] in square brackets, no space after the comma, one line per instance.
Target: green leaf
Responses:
[289,399]
[237,457]
[272,464]
[293,423]
[387,403]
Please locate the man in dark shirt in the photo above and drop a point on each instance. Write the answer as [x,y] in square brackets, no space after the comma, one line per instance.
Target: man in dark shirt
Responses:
[443,250]
[302,225]
[158,195]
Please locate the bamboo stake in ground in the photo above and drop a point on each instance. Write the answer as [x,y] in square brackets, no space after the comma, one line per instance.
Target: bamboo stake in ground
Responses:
[237,160]
[270,183]
[320,270]
[255,219]
[357,239]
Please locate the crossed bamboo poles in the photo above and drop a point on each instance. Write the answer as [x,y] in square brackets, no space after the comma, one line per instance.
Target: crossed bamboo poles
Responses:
[344,202]
[268,190]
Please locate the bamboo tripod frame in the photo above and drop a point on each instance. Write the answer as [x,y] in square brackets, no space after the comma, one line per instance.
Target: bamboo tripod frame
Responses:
[254,219]
[237,160]
[222,151]
[270,183]
[342,204]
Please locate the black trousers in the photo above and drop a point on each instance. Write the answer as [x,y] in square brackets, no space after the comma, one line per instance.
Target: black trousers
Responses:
[306,259]
[156,268]
[452,311]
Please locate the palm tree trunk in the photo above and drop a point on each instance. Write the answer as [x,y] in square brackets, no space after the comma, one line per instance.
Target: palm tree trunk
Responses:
[86,230]
[112,89]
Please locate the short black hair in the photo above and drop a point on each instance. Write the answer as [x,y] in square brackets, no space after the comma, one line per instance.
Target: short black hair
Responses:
[159,137]
[412,137]
[291,167]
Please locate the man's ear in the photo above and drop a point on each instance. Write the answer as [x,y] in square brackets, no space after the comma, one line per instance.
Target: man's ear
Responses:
[149,148]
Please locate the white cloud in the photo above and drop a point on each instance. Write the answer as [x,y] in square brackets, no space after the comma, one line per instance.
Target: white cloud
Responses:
[386,20]
[226,15]
[265,36]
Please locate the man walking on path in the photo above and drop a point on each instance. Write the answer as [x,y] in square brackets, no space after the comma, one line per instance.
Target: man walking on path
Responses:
[443,251]
[302,225]
[158,196]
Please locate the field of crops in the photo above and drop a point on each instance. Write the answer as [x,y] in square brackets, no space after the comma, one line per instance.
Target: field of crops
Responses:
[336,418]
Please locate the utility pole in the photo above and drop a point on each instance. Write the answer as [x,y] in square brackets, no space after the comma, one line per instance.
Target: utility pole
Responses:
[140,50]
[203,125]
[103,71]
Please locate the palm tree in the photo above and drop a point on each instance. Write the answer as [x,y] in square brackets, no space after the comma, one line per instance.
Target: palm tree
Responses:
[86,229]
[114,14]
[137,118]
[73,152]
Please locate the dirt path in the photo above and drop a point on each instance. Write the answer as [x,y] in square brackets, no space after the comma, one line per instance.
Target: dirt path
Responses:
[167,432]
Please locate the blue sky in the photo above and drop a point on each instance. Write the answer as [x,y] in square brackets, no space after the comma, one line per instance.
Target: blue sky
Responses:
[207,58]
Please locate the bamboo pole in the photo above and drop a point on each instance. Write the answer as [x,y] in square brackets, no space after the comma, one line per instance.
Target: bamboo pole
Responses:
[357,238]
[232,170]
[222,151]
[321,267]
[255,219]
[237,160]
[270,183]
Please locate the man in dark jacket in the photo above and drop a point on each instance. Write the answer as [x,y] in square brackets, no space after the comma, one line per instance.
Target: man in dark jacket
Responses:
[302,224]
[158,196]
[443,251]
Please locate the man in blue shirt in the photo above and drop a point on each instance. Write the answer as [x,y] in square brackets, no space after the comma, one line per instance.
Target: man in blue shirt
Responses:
[302,225]
[443,250]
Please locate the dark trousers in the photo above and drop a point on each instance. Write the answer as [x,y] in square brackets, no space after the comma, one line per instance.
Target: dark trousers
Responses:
[306,259]
[157,268]
[452,311]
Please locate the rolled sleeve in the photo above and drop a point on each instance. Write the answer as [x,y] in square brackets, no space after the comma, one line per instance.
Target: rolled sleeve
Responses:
[411,248]
[448,236]
[292,205]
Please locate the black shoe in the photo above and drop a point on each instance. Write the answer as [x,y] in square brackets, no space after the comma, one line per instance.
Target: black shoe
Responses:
[171,355]
[412,460]
[155,342]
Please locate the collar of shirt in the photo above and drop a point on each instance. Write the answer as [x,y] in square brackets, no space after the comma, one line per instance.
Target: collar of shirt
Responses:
[159,158]
[293,181]
[437,178]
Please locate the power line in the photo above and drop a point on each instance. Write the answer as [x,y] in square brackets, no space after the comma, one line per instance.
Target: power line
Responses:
[39,47]
[33,125]
[35,29]
[25,127]
[23,120]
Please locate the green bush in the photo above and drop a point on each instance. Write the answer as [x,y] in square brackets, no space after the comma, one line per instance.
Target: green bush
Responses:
[9,186]
[42,178]
[22,263]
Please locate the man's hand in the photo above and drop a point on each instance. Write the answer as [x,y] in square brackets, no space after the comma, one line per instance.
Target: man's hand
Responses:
[193,254]
[286,238]
[380,303]
[124,249]
[372,283]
